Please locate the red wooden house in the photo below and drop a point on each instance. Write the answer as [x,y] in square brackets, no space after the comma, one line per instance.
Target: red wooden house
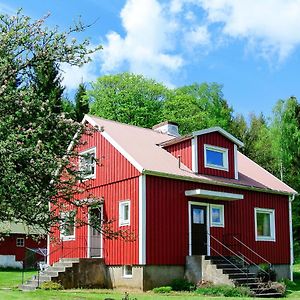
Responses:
[184,197]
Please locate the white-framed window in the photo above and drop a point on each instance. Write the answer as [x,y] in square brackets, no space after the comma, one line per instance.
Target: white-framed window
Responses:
[217,215]
[87,163]
[264,224]
[215,157]
[127,271]
[20,242]
[67,226]
[124,213]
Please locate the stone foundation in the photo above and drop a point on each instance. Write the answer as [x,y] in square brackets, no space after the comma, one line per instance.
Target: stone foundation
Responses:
[282,271]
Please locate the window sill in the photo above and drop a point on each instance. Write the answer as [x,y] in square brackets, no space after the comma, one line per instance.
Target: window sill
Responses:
[67,238]
[225,169]
[265,239]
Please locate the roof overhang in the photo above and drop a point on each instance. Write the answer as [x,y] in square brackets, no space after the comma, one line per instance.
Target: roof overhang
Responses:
[221,131]
[207,194]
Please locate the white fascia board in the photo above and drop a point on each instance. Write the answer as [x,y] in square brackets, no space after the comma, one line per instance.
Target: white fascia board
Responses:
[291,198]
[236,167]
[213,195]
[90,120]
[142,220]
[220,130]
[195,154]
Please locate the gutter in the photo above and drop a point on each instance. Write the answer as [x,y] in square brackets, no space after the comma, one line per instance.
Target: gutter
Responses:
[214,182]
[291,199]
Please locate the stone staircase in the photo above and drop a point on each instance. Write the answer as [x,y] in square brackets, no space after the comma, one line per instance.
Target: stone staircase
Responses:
[239,274]
[50,274]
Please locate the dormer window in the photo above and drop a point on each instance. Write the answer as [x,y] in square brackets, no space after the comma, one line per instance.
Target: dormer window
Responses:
[215,157]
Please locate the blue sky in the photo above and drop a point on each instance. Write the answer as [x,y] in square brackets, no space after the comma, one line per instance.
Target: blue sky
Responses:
[251,47]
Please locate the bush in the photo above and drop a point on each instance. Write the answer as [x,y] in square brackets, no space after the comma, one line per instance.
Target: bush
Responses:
[266,273]
[51,285]
[162,290]
[224,290]
[182,285]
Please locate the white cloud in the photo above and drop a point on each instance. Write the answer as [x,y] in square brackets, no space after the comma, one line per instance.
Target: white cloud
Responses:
[270,26]
[148,45]
[197,36]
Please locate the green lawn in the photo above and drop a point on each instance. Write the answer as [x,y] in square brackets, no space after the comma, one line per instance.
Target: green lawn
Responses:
[9,280]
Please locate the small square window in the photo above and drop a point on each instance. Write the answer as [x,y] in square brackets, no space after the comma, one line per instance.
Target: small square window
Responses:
[87,163]
[127,271]
[215,157]
[264,224]
[20,242]
[217,215]
[124,213]
[67,226]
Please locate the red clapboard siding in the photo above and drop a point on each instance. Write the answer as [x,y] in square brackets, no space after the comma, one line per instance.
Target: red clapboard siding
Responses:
[167,222]
[215,139]
[112,165]
[115,251]
[116,179]
[8,246]
[184,149]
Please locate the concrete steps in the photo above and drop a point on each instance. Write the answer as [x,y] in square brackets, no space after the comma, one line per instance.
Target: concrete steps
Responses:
[241,277]
[51,273]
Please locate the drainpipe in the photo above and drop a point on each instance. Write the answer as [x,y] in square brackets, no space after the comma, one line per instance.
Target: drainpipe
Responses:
[291,199]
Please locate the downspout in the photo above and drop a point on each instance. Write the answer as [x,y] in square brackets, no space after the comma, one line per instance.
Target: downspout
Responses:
[291,199]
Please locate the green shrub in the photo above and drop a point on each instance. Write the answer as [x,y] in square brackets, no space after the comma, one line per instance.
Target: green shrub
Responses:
[182,285]
[266,273]
[51,285]
[162,290]
[224,290]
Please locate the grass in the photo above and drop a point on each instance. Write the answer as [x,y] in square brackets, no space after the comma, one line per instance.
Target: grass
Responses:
[9,280]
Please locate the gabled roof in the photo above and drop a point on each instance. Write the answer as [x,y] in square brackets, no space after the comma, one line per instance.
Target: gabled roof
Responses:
[141,148]
[221,131]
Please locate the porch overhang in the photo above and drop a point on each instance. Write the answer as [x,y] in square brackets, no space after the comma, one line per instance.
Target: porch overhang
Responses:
[207,194]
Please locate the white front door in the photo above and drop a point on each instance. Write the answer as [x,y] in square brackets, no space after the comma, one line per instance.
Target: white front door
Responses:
[95,237]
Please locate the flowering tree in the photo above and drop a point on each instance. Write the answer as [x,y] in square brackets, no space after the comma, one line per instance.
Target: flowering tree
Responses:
[35,161]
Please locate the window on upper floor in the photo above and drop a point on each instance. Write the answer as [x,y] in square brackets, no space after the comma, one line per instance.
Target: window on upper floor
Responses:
[124,213]
[67,225]
[264,224]
[87,163]
[215,157]
[20,242]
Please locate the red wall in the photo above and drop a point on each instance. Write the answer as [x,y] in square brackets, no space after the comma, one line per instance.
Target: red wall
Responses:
[215,139]
[116,179]
[8,246]
[167,222]
[184,149]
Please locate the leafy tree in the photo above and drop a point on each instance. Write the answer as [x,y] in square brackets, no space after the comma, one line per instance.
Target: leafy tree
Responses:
[128,98]
[198,106]
[35,166]
[47,83]
[81,102]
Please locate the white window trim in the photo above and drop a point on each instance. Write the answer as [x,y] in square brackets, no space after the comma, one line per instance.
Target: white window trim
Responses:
[224,151]
[125,275]
[222,222]
[272,238]
[23,243]
[90,150]
[67,237]
[123,222]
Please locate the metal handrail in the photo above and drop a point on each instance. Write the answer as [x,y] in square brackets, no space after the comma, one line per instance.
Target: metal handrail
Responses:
[252,251]
[252,262]
[224,257]
[235,254]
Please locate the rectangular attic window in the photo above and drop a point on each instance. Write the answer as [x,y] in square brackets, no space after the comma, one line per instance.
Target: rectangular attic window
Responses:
[215,157]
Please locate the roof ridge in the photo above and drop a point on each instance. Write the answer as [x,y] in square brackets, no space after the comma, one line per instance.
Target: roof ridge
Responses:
[129,125]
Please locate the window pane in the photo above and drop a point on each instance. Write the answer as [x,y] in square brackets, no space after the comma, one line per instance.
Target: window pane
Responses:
[263,224]
[198,216]
[214,158]
[87,163]
[216,215]
[126,212]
